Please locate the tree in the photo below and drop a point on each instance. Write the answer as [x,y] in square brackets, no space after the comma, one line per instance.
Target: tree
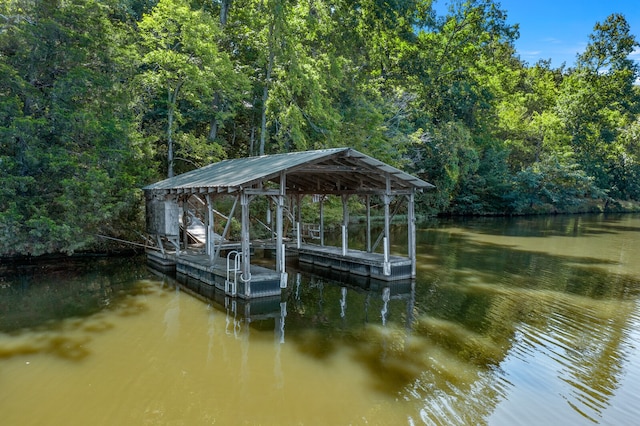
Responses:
[183,65]
[446,157]
[70,158]
[597,100]
[455,56]
[551,186]
[458,69]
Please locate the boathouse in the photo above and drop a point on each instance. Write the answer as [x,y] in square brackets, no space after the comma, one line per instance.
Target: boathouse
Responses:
[282,180]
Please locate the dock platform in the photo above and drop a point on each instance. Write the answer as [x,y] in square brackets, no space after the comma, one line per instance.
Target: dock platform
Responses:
[263,281]
[355,262]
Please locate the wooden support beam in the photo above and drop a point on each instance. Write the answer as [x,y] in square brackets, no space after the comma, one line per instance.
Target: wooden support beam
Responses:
[262,191]
[185,221]
[245,276]
[280,255]
[322,220]
[368,202]
[387,222]
[379,192]
[298,220]
[381,235]
[345,224]
[209,242]
[226,227]
[329,168]
[411,224]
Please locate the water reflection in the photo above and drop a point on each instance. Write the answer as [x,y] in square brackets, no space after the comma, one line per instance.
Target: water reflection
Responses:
[545,322]
[519,321]
[34,293]
[306,299]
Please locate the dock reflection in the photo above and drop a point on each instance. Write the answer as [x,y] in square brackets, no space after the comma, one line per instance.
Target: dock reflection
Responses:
[319,299]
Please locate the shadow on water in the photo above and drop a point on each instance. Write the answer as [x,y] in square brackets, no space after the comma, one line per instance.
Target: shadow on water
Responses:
[45,305]
[473,307]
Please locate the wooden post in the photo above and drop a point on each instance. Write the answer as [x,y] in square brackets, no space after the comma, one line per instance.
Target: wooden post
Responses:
[298,221]
[269,213]
[322,220]
[280,248]
[279,225]
[368,200]
[185,220]
[411,222]
[345,224]
[386,243]
[244,240]
[210,228]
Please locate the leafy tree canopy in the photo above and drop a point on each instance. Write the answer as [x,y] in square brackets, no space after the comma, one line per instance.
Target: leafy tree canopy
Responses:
[99,97]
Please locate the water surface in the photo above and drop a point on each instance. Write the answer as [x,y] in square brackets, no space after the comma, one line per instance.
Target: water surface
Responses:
[510,321]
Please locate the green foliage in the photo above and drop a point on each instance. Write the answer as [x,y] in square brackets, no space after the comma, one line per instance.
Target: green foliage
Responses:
[553,185]
[99,97]
[445,154]
[70,158]
[183,70]
[598,100]
[487,190]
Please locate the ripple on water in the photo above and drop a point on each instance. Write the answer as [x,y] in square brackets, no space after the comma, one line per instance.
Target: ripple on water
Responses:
[582,353]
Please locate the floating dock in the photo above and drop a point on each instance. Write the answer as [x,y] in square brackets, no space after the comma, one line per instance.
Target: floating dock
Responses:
[223,273]
[356,262]
[281,182]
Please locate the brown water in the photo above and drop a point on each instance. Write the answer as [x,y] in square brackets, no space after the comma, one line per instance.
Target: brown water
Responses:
[520,321]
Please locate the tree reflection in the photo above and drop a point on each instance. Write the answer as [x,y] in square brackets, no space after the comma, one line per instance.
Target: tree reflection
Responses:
[493,315]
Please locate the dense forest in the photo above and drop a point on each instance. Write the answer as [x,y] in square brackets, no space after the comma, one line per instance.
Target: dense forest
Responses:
[100,97]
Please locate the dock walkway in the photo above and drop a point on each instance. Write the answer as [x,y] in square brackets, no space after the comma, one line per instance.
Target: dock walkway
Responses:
[223,273]
[356,262]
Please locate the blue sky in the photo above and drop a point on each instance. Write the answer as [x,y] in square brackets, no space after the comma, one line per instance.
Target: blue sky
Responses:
[559,30]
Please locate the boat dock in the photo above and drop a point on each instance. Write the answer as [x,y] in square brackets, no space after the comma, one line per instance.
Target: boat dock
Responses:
[277,185]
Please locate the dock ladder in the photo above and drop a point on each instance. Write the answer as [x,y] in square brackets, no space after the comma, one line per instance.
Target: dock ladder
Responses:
[233,269]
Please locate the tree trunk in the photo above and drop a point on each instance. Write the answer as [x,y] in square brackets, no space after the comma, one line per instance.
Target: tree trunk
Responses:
[224,11]
[170,114]
[252,140]
[172,97]
[263,121]
[213,129]
[265,90]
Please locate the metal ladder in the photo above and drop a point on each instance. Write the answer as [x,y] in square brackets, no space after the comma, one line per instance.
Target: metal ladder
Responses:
[233,269]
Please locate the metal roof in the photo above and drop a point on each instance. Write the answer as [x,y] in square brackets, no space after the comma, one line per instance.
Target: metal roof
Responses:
[321,171]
